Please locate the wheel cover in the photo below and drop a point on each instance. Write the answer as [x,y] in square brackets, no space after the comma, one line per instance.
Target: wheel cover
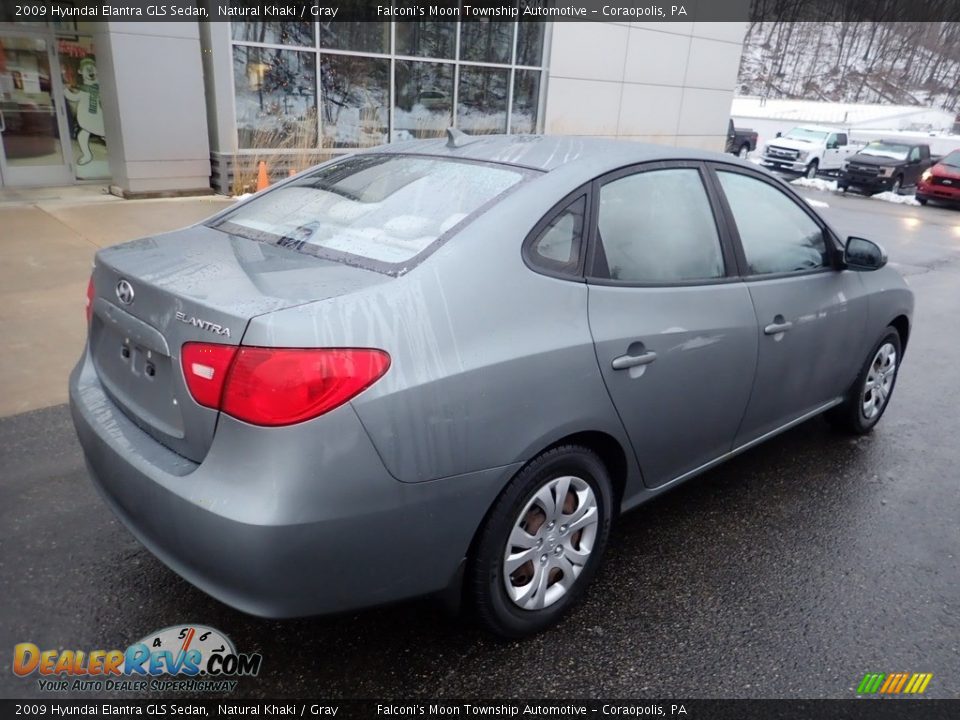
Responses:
[550,542]
[879,382]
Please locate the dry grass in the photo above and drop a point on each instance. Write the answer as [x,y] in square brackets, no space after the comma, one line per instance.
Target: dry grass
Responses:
[292,148]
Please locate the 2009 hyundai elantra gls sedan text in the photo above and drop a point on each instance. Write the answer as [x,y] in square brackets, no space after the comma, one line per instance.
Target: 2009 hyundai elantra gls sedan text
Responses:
[445,366]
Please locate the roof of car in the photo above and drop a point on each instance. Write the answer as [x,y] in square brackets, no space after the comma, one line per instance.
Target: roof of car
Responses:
[821,128]
[548,152]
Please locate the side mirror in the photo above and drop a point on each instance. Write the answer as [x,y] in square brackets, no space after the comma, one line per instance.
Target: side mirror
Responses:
[861,254]
[832,146]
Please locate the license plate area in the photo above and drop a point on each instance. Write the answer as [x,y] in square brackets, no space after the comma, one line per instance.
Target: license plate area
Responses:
[139,379]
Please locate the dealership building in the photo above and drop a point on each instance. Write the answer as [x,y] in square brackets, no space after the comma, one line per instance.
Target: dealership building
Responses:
[180,107]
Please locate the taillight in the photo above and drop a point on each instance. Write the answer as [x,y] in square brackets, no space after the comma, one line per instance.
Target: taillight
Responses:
[278,386]
[91,292]
[205,368]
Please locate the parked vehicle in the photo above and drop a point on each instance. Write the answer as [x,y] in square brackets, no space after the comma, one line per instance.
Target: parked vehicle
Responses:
[740,141]
[883,165]
[942,181]
[382,378]
[808,150]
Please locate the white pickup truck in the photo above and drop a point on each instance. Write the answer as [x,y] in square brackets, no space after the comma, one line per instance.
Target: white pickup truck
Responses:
[808,150]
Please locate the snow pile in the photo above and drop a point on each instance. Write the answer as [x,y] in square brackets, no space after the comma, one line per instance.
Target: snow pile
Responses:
[894,198]
[816,203]
[816,184]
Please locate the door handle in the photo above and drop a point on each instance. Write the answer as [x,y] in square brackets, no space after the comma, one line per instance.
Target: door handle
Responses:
[628,361]
[778,326]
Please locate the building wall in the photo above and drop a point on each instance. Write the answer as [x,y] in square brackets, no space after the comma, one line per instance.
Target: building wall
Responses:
[154,107]
[667,83]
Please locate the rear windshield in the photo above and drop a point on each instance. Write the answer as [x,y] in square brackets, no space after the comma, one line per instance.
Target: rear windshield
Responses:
[382,212]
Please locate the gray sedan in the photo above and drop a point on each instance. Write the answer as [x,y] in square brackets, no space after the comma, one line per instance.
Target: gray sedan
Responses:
[446,366]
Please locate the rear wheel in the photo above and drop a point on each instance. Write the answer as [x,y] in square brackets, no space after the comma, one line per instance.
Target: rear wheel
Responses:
[812,169]
[870,394]
[542,542]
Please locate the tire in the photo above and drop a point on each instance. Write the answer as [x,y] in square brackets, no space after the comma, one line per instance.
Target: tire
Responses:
[744,151]
[529,606]
[842,188]
[856,414]
[897,185]
[922,200]
[812,169]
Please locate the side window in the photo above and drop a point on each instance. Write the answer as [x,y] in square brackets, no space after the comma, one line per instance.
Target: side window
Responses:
[832,140]
[657,227]
[776,234]
[841,138]
[914,154]
[557,247]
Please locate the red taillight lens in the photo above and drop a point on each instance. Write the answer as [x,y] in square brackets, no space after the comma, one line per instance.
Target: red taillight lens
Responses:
[205,368]
[91,293]
[281,386]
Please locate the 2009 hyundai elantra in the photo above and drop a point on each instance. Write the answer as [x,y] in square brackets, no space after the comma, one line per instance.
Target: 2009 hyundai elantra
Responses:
[446,366]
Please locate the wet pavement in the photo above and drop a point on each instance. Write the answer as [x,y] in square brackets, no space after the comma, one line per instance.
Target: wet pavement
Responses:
[789,572]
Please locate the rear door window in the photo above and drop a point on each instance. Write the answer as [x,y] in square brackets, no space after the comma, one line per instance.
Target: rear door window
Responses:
[382,212]
[657,227]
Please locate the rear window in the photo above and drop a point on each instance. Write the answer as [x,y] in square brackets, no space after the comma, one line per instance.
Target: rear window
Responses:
[381,212]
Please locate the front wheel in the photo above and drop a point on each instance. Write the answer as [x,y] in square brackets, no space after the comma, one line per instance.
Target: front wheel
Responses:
[897,185]
[922,200]
[870,394]
[812,169]
[542,542]
[744,151]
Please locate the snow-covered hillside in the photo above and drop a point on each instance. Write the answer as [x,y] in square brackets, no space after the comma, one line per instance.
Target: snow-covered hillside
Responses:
[860,62]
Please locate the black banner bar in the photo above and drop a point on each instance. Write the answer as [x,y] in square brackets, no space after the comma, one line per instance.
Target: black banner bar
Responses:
[853,709]
[21,11]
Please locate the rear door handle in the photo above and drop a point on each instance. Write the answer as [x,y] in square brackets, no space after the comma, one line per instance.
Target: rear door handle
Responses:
[628,361]
[778,325]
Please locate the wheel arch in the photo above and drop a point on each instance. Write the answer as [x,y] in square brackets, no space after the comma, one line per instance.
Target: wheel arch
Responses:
[901,324]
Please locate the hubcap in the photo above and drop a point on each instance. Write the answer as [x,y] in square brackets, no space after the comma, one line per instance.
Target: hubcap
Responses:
[550,542]
[879,382]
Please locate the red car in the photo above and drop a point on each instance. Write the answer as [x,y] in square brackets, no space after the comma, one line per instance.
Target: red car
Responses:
[942,181]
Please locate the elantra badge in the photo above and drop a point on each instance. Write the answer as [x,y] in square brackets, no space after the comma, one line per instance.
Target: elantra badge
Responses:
[125,292]
[203,324]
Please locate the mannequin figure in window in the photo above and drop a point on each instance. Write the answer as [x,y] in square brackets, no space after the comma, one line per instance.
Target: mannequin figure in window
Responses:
[89,112]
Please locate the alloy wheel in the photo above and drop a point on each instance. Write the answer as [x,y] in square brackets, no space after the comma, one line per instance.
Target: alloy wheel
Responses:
[550,542]
[879,381]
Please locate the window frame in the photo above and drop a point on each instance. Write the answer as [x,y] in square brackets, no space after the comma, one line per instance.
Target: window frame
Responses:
[831,241]
[727,253]
[536,262]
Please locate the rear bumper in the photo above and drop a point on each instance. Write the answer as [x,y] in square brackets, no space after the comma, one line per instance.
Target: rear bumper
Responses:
[282,522]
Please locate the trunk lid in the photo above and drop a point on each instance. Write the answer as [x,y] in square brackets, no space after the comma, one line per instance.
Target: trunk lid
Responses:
[194,285]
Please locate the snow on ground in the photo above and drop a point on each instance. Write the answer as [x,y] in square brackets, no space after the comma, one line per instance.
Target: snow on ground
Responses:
[244,196]
[817,203]
[831,186]
[816,184]
[894,198]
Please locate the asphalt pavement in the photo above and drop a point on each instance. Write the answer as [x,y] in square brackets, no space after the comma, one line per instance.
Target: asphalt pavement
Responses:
[791,571]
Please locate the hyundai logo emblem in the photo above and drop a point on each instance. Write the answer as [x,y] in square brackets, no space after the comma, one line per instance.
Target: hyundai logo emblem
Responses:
[125,292]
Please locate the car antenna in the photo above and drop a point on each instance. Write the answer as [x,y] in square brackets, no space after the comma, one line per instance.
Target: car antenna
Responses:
[458,138]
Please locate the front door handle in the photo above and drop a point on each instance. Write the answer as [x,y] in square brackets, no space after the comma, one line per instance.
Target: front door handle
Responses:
[778,326]
[628,361]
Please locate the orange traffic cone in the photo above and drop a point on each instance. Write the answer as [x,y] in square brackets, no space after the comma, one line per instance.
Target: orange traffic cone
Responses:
[263,181]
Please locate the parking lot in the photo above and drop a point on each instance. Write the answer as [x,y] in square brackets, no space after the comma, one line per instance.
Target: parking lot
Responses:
[789,572]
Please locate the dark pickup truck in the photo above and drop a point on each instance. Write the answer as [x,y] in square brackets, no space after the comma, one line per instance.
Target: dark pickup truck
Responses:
[740,141]
[885,165]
